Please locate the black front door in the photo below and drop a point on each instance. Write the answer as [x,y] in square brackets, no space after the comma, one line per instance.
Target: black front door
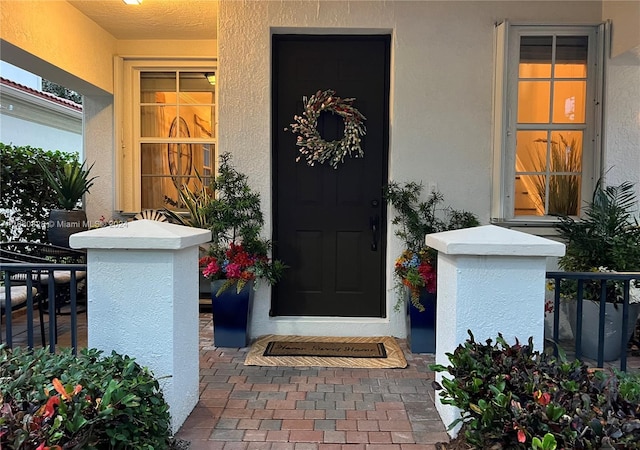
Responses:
[330,224]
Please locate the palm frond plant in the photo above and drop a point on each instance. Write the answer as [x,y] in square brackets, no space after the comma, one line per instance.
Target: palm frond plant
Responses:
[563,189]
[607,236]
[606,239]
[193,200]
[415,268]
[71,182]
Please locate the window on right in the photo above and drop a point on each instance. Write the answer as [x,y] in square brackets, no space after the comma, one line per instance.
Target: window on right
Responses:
[548,120]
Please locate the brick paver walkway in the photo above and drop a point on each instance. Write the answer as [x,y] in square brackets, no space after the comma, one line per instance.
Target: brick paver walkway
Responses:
[309,408]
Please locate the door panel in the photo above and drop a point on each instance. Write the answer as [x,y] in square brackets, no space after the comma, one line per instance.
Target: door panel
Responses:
[323,217]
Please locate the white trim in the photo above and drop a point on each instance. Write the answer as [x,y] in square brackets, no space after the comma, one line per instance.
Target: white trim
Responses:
[501,36]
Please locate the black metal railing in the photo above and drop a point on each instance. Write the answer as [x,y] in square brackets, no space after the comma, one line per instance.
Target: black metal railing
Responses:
[49,287]
[601,286]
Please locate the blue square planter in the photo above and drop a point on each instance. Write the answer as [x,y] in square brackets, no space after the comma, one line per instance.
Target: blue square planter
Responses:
[231,315]
[421,326]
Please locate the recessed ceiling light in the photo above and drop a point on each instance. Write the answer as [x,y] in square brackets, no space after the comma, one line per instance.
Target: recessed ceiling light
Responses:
[132,2]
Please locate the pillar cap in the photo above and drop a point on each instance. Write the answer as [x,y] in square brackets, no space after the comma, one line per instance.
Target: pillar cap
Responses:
[492,240]
[141,234]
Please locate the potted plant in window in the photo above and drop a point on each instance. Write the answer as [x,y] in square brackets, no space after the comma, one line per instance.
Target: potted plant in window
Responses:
[70,183]
[415,269]
[237,257]
[606,239]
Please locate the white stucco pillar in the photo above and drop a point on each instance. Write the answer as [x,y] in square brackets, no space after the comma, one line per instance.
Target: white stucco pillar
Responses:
[490,280]
[142,293]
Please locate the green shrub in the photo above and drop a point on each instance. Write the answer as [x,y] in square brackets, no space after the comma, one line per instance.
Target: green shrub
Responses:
[26,196]
[79,402]
[514,397]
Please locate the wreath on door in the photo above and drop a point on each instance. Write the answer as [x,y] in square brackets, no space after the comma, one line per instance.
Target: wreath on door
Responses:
[313,147]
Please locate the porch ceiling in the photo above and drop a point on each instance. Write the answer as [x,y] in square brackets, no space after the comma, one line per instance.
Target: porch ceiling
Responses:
[153,19]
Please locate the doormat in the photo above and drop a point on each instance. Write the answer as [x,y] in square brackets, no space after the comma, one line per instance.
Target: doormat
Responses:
[337,349]
[320,351]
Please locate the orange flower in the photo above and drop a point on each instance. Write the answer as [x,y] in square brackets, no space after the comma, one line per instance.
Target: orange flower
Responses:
[59,387]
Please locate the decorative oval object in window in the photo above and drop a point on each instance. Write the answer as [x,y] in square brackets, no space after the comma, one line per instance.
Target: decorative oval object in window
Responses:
[179,154]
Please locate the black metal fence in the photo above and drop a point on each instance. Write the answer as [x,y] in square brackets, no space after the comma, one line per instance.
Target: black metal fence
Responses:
[48,289]
[609,292]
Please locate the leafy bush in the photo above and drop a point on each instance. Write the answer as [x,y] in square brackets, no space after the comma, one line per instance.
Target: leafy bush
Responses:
[79,402]
[415,268]
[514,397]
[26,195]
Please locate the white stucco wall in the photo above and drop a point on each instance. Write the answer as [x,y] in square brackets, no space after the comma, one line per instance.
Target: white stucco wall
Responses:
[20,132]
[625,16]
[441,98]
[622,123]
[98,142]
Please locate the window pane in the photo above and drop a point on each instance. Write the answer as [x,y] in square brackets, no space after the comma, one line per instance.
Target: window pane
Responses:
[566,151]
[529,195]
[571,56]
[564,194]
[165,166]
[195,82]
[196,98]
[162,192]
[155,121]
[202,123]
[557,186]
[196,89]
[155,190]
[531,151]
[535,56]
[154,86]
[569,101]
[533,101]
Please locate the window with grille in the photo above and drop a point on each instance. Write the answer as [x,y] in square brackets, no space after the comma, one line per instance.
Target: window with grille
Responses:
[548,115]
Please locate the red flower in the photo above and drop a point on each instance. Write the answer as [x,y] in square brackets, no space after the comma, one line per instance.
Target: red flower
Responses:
[522,438]
[428,274]
[233,270]
[211,269]
[48,409]
[42,447]
[542,398]
[205,261]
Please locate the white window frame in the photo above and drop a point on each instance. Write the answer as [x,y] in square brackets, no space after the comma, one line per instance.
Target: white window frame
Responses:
[127,125]
[507,58]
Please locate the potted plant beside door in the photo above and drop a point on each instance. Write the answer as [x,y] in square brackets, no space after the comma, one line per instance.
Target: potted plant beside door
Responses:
[415,269]
[238,255]
[606,239]
[71,182]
